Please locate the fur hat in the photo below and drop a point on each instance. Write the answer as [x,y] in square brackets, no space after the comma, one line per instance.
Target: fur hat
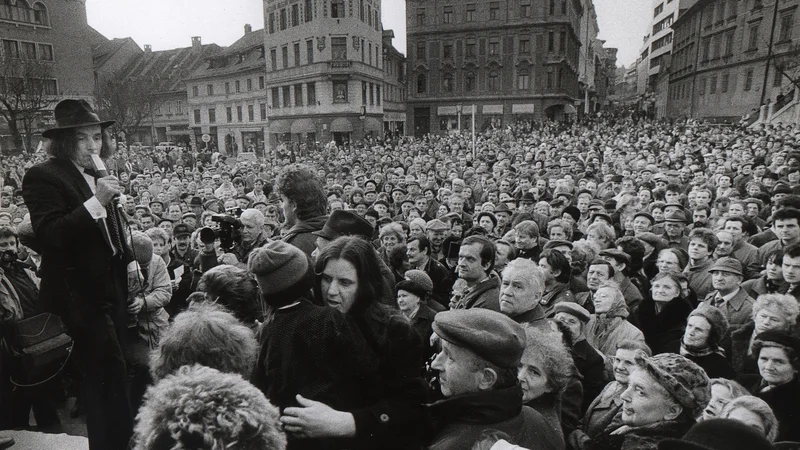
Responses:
[421,279]
[200,407]
[278,266]
[715,317]
[685,381]
[718,434]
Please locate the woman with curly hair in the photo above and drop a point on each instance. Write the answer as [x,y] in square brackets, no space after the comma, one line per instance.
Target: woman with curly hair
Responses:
[235,289]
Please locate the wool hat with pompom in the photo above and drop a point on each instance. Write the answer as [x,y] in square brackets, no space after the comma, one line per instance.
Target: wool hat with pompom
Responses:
[278,266]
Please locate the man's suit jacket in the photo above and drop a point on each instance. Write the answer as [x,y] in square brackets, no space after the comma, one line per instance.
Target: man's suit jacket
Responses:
[80,274]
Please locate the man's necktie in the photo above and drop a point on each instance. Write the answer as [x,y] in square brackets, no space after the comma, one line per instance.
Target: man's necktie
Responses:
[718,302]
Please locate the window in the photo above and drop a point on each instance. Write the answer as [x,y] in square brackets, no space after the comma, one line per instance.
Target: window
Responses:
[273,56]
[239,113]
[706,49]
[210,89]
[786,27]
[227,87]
[371,94]
[363,92]
[552,8]
[308,11]
[249,84]
[525,10]
[658,10]
[723,85]
[469,82]
[378,94]
[361,10]
[276,98]
[297,61]
[339,48]
[494,48]
[196,116]
[370,53]
[250,113]
[447,14]
[369,15]
[46,52]
[447,51]
[748,79]
[777,78]
[420,50]
[298,95]
[340,93]
[560,76]
[562,42]
[271,22]
[295,15]
[720,11]
[310,51]
[494,80]
[469,16]
[284,23]
[752,38]
[564,7]
[19,11]
[728,44]
[494,10]
[447,83]
[549,78]
[469,49]
[702,88]
[311,94]
[28,50]
[337,9]
[524,46]
[551,41]
[229,114]
[238,86]
[263,111]
[285,56]
[212,115]
[712,85]
[717,44]
[195,91]
[261,82]
[523,81]
[421,84]
[10,49]
[420,17]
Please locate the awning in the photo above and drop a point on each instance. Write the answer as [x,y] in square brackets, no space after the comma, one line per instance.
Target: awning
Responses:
[569,109]
[373,124]
[303,126]
[341,125]
[280,126]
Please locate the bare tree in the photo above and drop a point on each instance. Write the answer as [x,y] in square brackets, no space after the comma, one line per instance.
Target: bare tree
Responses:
[127,100]
[27,93]
[788,65]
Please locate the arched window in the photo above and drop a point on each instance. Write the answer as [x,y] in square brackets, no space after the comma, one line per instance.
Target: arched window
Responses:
[40,14]
[494,80]
[469,82]
[447,82]
[421,84]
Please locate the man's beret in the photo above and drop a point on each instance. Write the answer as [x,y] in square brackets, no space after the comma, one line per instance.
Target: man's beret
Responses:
[573,309]
[489,334]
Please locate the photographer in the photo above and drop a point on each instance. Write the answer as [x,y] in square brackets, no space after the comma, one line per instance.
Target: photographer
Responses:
[252,236]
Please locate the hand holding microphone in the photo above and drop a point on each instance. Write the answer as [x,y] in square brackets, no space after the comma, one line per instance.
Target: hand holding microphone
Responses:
[108,187]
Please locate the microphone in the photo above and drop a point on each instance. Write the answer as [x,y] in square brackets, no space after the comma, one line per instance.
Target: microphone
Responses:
[101,171]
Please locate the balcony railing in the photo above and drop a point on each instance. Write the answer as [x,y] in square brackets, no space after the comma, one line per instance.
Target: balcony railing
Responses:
[340,64]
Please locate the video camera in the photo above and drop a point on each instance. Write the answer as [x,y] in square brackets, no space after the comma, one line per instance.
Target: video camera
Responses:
[229,231]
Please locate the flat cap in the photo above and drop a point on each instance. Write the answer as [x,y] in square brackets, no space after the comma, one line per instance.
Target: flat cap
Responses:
[619,255]
[573,309]
[646,215]
[675,216]
[436,225]
[558,243]
[727,264]
[489,334]
[182,229]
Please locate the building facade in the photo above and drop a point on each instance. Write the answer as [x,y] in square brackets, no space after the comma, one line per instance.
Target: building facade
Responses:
[512,59]
[731,57]
[394,87]
[46,46]
[324,70]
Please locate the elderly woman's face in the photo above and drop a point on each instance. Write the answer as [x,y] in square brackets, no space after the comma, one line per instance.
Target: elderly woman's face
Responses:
[665,290]
[774,366]
[532,376]
[407,302]
[645,402]
[623,363]
[603,300]
[768,319]
[697,331]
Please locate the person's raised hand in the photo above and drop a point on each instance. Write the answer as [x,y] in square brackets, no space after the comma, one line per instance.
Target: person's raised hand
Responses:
[107,188]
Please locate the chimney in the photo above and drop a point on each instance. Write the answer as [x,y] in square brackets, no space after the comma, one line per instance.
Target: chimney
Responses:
[148,48]
[196,42]
[248,28]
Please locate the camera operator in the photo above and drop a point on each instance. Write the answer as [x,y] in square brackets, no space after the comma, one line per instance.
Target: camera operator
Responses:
[253,236]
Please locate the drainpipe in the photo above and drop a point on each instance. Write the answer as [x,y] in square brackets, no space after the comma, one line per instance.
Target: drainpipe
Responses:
[696,63]
[769,52]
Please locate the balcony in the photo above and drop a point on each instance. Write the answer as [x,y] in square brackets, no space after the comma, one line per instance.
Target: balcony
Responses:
[339,65]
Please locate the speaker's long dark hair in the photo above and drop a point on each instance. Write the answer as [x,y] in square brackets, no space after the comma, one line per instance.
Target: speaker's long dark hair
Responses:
[64,145]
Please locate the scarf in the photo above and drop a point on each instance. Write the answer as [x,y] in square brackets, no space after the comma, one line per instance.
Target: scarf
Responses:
[698,352]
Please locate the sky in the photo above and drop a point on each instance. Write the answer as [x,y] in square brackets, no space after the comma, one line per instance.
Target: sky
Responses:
[167,24]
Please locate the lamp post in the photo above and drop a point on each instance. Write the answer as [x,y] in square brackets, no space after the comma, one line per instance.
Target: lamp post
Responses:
[459,108]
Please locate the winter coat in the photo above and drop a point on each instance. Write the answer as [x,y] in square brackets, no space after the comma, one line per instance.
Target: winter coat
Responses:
[700,278]
[715,365]
[663,330]
[738,353]
[459,421]
[300,234]
[783,400]
[559,293]
[604,412]
[485,295]
[641,438]
[738,310]
[591,367]
[153,318]
[760,286]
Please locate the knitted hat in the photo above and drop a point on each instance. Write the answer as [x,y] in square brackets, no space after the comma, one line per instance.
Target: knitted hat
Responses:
[683,379]
[420,278]
[572,211]
[278,266]
[412,287]
[715,317]
[142,248]
[718,434]
[420,223]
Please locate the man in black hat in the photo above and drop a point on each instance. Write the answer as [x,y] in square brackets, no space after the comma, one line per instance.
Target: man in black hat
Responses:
[86,261]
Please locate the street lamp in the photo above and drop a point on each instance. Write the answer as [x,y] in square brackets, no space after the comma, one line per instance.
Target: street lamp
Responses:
[459,108]
[363,114]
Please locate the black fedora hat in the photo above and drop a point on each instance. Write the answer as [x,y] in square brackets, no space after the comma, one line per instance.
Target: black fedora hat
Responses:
[71,114]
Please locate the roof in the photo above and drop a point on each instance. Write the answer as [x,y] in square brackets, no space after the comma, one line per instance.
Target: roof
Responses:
[243,55]
[104,51]
[170,67]
[94,37]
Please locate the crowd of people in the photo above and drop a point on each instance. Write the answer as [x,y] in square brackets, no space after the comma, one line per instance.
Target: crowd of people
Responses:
[614,283]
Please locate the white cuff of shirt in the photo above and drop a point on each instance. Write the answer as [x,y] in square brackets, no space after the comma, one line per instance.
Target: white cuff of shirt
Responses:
[96,210]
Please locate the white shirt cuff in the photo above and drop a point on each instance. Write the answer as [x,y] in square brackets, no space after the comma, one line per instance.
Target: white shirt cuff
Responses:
[96,210]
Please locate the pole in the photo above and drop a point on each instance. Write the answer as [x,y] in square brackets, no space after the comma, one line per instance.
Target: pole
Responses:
[769,54]
[696,64]
[474,150]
